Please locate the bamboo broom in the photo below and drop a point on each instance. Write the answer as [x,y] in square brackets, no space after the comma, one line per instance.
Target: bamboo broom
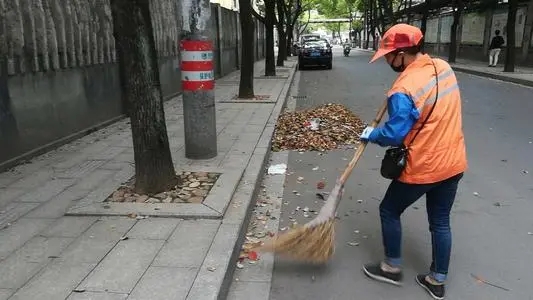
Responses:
[314,242]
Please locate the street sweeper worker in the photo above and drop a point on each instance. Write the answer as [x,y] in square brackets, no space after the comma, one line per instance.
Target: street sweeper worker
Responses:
[425,121]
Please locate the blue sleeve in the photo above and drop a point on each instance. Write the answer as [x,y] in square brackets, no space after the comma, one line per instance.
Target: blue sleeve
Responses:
[402,116]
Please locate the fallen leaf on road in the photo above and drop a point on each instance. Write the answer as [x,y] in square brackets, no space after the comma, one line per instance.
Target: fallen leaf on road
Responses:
[252,255]
[353,244]
[338,126]
[320,196]
[211,269]
[320,185]
[132,215]
[481,280]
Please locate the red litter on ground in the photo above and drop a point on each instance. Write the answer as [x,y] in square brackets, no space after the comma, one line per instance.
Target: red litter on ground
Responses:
[252,255]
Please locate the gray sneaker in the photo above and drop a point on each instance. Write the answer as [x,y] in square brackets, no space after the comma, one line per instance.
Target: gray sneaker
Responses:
[436,291]
[374,271]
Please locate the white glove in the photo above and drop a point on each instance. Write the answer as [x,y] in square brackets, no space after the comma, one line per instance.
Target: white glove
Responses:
[366,133]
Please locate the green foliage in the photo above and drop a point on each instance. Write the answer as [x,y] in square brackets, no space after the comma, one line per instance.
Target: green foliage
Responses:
[357,25]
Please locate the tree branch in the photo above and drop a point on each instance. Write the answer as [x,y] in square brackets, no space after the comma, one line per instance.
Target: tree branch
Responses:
[258,16]
[306,23]
[296,15]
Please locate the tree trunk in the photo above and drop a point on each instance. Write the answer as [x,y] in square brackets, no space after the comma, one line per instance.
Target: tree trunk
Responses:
[290,39]
[424,22]
[141,88]
[270,19]
[374,25]
[388,14]
[528,27]
[510,50]
[246,85]
[282,47]
[368,17]
[409,14]
[452,52]
[282,36]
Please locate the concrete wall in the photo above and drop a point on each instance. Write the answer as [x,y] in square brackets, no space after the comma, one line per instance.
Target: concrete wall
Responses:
[58,68]
[475,33]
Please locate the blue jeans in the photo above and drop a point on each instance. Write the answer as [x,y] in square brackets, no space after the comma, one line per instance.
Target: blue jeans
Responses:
[439,201]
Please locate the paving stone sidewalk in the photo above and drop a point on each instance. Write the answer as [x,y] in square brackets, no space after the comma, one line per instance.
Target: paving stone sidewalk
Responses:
[89,254]
[521,75]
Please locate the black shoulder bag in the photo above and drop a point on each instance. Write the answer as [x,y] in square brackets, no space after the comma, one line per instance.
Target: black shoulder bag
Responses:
[395,158]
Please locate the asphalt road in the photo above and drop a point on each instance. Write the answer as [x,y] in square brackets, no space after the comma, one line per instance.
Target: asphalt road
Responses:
[492,220]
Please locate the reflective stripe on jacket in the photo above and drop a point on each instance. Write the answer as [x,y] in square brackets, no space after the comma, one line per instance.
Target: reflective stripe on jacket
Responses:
[438,151]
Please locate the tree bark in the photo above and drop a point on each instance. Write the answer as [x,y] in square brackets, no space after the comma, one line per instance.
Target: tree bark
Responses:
[246,85]
[141,88]
[528,27]
[374,25]
[409,14]
[510,50]
[270,19]
[452,51]
[290,39]
[388,14]
[282,37]
[424,22]
[368,20]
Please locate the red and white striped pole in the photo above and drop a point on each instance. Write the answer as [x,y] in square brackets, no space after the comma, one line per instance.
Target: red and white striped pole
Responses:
[198,80]
[197,66]
[198,84]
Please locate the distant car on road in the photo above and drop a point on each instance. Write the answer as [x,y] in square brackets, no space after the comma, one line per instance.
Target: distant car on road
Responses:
[315,52]
[303,38]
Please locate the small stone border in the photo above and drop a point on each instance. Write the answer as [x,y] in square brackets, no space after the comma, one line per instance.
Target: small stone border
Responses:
[212,207]
[262,99]
[191,187]
[272,77]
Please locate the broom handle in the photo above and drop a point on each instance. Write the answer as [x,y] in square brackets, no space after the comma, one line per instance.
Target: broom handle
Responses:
[361,148]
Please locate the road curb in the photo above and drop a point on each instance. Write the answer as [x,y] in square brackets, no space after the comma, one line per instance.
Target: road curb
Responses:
[214,283]
[494,76]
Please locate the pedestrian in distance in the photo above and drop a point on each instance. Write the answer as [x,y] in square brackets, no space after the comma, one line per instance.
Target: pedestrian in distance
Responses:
[495,48]
[427,154]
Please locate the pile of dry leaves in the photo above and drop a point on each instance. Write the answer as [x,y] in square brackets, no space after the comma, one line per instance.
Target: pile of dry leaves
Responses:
[322,128]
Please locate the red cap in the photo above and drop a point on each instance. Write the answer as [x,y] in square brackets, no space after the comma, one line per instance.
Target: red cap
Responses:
[397,37]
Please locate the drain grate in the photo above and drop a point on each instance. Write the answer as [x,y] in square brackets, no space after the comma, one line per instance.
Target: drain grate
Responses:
[299,97]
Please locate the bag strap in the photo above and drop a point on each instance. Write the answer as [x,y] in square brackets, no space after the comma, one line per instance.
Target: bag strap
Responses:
[432,107]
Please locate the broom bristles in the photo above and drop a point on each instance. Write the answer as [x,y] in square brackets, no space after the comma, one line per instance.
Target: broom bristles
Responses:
[310,244]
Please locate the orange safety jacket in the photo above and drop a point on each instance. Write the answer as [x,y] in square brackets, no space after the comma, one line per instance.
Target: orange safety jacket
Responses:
[439,150]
